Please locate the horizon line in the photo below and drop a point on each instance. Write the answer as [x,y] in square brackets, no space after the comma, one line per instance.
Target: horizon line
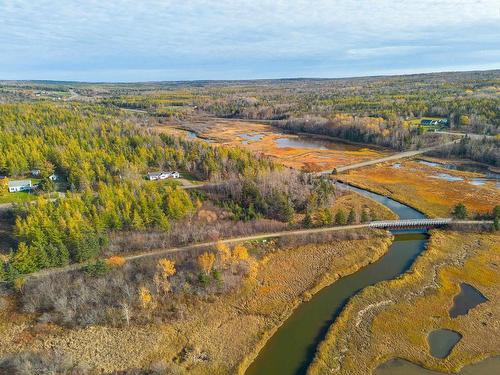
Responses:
[54,81]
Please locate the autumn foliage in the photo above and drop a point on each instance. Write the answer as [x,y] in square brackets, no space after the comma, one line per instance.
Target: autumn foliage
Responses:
[206,262]
[145,298]
[115,261]
[240,253]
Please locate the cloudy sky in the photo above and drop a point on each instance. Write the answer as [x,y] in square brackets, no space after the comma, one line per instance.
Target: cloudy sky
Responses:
[145,40]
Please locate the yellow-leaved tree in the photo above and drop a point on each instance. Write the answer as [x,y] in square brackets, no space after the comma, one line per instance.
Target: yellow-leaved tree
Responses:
[224,254]
[240,253]
[145,298]
[4,183]
[206,262]
[165,269]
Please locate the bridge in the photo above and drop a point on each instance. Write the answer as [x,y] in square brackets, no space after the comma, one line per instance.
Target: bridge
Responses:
[411,223]
[425,223]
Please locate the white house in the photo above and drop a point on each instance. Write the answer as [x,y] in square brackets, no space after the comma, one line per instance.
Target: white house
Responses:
[35,172]
[54,177]
[158,176]
[20,185]
[162,175]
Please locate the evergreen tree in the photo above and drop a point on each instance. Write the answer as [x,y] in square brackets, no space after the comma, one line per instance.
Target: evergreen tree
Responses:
[280,207]
[351,219]
[459,211]
[340,218]
[24,260]
[307,222]
[137,222]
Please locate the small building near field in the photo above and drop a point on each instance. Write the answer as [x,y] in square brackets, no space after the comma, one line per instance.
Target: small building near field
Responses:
[20,185]
[54,177]
[428,122]
[152,176]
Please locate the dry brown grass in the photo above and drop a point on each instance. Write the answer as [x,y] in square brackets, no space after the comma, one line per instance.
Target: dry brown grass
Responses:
[228,132]
[393,318]
[217,334]
[410,184]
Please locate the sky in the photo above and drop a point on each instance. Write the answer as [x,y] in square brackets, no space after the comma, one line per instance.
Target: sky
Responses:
[154,40]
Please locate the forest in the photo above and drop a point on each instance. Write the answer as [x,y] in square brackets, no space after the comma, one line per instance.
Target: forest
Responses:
[102,158]
[375,110]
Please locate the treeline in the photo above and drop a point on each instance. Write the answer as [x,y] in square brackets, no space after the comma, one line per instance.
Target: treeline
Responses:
[276,195]
[467,100]
[103,160]
[486,150]
[89,144]
[375,131]
[75,228]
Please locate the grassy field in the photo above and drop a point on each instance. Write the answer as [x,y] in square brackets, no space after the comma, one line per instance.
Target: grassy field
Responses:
[19,197]
[411,183]
[392,319]
[216,335]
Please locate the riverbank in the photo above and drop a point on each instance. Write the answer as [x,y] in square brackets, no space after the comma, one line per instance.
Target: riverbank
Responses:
[216,335]
[392,319]
[432,190]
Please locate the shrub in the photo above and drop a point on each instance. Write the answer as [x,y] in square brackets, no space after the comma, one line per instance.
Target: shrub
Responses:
[98,268]
[459,211]
[115,261]
[240,253]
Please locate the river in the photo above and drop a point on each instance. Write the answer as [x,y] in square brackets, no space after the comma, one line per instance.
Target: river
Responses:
[291,349]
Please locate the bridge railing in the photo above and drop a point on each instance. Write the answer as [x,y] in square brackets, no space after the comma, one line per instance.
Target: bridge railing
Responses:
[409,223]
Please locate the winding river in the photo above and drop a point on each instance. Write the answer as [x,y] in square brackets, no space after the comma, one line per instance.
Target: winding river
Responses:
[291,349]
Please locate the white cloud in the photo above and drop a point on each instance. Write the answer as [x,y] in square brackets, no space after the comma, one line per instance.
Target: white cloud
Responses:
[154,35]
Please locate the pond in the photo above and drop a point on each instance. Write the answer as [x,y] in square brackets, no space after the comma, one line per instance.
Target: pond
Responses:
[442,342]
[447,177]
[301,142]
[191,135]
[292,348]
[476,181]
[399,366]
[251,137]
[314,144]
[468,298]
